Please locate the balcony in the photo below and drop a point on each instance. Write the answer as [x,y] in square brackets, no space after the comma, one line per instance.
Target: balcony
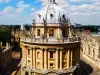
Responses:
[50,40]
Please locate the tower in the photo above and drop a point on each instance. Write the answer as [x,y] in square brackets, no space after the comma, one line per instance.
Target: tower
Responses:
[22,26]
[52,49]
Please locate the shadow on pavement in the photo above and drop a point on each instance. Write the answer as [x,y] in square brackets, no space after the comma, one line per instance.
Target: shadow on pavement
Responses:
[13,66]
[86,68]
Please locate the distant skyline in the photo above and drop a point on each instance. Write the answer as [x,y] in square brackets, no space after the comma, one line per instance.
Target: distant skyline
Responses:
[86,12]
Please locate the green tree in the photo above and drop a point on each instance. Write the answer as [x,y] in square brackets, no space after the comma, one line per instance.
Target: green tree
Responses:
[5,34]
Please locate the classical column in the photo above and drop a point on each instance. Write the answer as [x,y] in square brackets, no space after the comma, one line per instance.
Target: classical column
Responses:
[58,32]
[57,50]
[31,57]
[68,58]
[61,59]
[71,57]
[34,57]
[45,59]
[42,59]
[23,55]
[78,55]
[26,54]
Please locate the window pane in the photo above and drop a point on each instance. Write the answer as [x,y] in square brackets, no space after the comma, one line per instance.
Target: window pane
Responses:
[38,32]
[51,54]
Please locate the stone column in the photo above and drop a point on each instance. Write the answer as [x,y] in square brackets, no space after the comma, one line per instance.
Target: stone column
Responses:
[34,57]
[42,59]
[71,58]
[78,55]
[45,59]
[58,32]
[23,55]
[57,50]
[26,54]
[68,58]
[61,59]
[31,57]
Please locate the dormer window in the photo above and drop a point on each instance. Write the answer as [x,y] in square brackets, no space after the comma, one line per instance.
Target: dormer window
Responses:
[63,16]
[51,15]
[39,16]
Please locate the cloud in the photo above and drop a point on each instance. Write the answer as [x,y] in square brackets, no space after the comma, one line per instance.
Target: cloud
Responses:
[33,9]
[12,11]
[21,6]
[79,11]
[7,10]
[5,1]
[83,0]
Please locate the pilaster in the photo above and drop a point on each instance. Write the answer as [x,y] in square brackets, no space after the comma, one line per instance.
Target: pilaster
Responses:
[42,57]
[71,58]
[34,57]
[68,58]
[45,59]
[60,58]
[57,50]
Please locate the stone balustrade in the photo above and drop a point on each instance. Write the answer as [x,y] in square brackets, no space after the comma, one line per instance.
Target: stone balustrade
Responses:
[50,40]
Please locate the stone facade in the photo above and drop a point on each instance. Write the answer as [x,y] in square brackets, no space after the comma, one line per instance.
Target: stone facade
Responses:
[5,55]
[38,59]
[50,48]
[91,49]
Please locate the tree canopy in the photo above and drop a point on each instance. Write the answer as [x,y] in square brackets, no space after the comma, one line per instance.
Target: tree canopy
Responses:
[5,34]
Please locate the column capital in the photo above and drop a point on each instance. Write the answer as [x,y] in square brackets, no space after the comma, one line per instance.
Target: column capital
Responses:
[33,48]
[59,48]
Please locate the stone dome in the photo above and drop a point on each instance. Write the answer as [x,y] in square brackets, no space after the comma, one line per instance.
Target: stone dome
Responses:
[51,13]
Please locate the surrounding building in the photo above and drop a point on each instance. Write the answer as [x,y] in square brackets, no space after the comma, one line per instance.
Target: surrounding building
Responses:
[77,25]
[91,49]
[50,48]
[5,56]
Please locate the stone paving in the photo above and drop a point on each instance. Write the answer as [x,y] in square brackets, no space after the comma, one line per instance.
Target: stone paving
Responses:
[89,67]
[14,66]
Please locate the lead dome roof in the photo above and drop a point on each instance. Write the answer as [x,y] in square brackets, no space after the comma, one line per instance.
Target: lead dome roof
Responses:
[51,13]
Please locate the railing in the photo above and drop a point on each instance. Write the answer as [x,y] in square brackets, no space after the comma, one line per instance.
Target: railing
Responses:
[50,40]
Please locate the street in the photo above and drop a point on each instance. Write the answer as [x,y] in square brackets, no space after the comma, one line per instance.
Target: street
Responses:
[88,68]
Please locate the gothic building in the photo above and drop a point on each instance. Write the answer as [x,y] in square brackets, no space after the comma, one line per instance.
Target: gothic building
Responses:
[90,46]
[5,57]
[50,48]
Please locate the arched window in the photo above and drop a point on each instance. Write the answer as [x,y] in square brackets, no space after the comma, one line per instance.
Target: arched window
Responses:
[51,32]
[89,50]
[93,53]
[38,55]
[51,54]
[26,73]
[39,16]
[29,52]
[51,15]
[38,32]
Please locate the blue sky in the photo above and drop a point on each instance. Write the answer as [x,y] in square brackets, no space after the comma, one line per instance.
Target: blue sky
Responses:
[79,11]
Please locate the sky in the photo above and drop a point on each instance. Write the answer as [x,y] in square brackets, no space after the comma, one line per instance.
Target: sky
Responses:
[85,12]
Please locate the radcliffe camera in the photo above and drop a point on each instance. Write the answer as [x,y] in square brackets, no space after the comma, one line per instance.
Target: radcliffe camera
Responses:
[49,37]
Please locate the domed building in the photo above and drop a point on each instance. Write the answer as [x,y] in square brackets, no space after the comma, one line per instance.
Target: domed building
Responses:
[50,48]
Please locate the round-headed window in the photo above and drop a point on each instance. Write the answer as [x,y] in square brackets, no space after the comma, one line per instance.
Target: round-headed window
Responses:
[39,16]
[26,73]
[51,15]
